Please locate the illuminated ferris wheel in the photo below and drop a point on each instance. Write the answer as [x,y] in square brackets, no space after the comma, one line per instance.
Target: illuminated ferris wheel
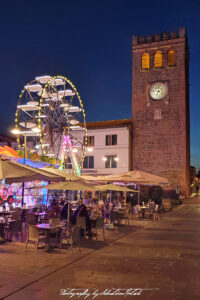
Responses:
[51,118]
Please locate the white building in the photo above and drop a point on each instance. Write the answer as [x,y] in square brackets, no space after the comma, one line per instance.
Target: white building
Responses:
[109,145]
[110,142]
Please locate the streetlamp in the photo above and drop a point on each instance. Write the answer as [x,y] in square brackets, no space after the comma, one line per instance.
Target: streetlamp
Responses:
[89,149]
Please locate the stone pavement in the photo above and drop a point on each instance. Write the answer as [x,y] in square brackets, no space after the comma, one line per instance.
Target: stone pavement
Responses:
[161,257]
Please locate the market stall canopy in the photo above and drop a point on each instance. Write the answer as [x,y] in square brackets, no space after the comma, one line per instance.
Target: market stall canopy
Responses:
[138,177]
[14,172]
[69,186]
[114,187]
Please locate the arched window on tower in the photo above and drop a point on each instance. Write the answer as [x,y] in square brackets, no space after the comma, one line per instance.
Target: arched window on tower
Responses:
[171,59]
[145,61]
[158,59]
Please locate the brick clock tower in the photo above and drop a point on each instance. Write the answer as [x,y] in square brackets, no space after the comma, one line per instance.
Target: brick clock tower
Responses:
[160,107]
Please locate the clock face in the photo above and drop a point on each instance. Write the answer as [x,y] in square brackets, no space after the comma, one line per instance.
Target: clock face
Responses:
[158,90]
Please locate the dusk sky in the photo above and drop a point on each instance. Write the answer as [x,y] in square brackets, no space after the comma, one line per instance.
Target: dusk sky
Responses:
[89,41]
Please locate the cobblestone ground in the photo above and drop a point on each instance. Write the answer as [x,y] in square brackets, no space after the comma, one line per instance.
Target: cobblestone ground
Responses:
[162,257]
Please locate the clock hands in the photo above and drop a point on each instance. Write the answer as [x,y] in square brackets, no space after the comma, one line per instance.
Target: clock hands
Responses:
[158,91]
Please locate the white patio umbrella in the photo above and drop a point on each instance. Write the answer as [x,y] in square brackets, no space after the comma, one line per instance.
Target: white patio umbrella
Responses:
[137,177]
[114,187]
[69,186]
[92,178]
[62,173]
[14,172]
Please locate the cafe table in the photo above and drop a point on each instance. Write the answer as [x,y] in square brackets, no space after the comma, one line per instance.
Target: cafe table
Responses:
[7,212]
[39,215]
[119,209]
[48,228]
[143,208]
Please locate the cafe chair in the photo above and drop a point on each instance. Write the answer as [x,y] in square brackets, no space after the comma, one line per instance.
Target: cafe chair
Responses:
[149,213]
[30,219]
[81,221]
[55,222]
[70,238]
[15,228]
[33,236]
[156,215]
[99,225]
[128,206]
[18,210]
[135,212]
[16,216]
[115,218]
[125,216]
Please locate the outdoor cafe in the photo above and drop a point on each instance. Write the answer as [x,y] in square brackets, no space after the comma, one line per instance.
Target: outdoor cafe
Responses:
[82,207]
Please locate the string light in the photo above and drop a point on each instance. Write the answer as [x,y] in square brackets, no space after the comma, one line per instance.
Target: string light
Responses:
[45,86]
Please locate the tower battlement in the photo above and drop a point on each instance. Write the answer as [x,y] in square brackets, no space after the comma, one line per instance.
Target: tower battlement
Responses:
[180,33]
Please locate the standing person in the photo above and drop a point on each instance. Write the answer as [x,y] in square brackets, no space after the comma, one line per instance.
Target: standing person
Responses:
[106,212]
[83,212]
[54,209]
[74,215]
[64,211]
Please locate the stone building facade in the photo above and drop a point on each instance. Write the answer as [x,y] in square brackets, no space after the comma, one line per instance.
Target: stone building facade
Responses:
[160,107]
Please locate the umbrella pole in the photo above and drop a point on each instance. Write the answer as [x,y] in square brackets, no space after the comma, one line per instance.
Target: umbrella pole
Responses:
[125,193]
[22,204]
[68,210]
[47,200]
[24,164]
[138,194]
[110,205]
[83,197]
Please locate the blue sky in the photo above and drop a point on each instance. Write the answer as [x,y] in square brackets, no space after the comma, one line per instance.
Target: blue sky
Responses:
[89,41]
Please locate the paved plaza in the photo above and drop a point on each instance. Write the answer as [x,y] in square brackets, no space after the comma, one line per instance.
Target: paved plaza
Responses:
[161,257]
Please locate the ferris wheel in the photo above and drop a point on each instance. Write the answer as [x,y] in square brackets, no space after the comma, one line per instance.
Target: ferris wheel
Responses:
[50,116]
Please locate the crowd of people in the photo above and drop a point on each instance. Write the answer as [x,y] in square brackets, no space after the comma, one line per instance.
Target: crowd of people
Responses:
[92,209]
